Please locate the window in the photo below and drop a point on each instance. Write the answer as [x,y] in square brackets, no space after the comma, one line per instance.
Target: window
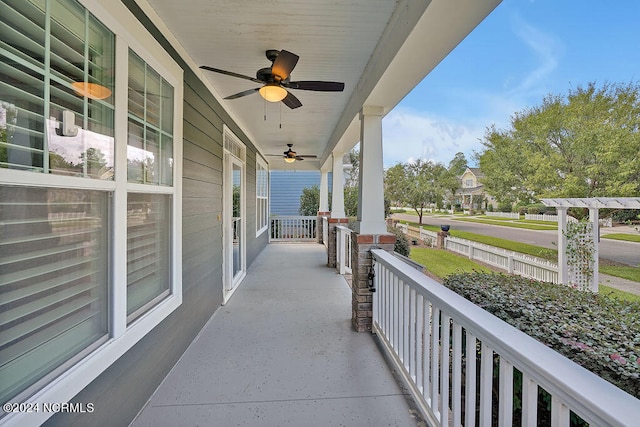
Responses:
[262,196]
[468,183]
[149,162]
[90,192]
[53,278]
[54,242]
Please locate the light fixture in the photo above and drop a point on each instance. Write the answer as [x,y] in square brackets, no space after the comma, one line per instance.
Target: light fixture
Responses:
[273,92]
[91,90]
[289,159]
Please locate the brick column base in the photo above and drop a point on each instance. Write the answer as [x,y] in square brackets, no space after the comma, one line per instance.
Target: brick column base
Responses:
[442,235]
[332,247]
[362,297]
[319,225]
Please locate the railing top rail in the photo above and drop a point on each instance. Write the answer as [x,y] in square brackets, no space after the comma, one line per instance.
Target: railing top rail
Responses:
[292,217]
[343,228]
[598,399]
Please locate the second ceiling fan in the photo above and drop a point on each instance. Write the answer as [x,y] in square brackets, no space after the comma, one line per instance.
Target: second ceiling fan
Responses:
[276,81]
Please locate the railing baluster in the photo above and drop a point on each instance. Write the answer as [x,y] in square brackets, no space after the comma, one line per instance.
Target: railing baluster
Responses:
[412,333]
[435,345]
[445,331]
[470,380]
[529,402]
[456,375]
[505,406]
[559,413]
[486,383]
[406,336]
[426,351]
[419,341]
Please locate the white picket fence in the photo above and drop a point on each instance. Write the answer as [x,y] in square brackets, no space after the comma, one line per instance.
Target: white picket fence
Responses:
[548,218]
[427,236]
[512,215]
[511,262]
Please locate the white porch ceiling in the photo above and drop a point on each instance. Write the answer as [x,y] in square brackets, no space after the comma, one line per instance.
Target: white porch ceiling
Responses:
[380,49]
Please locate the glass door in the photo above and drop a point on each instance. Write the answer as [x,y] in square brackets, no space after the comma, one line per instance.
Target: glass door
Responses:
[234,224]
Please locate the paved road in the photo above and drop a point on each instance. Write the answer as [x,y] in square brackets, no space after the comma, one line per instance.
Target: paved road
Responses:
[614,250]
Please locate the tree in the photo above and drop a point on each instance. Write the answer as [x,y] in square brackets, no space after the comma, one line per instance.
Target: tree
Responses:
[309,201]
[417,184]
[583,145]
[458,164]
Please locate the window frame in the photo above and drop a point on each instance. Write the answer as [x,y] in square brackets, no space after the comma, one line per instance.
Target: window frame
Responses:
[262,201]
[129,33]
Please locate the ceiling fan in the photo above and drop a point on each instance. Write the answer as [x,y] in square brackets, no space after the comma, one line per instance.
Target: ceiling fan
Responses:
[275,80]
[291,156]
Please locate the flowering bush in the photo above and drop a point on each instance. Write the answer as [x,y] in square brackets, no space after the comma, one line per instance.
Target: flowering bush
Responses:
[600,333]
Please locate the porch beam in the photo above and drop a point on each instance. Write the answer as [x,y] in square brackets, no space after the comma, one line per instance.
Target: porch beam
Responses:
[371,174]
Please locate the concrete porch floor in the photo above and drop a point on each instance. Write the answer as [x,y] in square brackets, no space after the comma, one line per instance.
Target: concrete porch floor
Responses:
[282,352]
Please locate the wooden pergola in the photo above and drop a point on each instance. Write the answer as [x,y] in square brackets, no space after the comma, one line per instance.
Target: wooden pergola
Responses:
[588,281]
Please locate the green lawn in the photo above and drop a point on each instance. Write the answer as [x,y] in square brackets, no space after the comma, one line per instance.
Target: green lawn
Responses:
[615,293]
[624,271]
[622,236]
[443,263]
[510,223]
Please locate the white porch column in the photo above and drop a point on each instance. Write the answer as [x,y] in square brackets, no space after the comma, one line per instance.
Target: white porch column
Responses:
[337,189]
[324,191]
[563,271]
[595,230]
[371,188]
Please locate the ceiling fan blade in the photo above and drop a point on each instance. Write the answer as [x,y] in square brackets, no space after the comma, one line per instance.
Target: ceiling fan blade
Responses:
[243,93]
[299,158]
[291,101]
[284,64]
[231,73]
[308,156]
[318,86]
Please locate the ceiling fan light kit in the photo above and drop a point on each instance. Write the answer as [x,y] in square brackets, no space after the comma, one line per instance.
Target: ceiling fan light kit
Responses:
[276,82]
[273,92]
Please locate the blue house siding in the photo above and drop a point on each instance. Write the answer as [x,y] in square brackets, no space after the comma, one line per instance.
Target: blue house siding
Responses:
[286,188]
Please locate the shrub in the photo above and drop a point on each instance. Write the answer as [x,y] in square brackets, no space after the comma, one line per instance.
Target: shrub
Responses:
[602,334]
[536,209]
[402,243]
[504,207]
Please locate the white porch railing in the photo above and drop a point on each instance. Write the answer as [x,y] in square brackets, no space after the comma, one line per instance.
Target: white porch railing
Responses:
[513,215]
[343,249]
[325,231]
[433,336]
[511,262]
[292,228]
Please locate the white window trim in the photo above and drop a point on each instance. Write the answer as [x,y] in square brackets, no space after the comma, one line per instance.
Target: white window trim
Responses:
[231,144]
[129,33]
[260,163]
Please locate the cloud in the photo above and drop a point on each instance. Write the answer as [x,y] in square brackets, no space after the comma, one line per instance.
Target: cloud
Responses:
[410,135]
[547,51]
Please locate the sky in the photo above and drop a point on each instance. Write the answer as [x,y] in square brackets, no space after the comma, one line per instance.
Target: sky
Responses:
[523,51]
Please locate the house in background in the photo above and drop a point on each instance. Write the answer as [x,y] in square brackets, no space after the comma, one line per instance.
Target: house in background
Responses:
[286,188]
[471,194]
[134,194]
